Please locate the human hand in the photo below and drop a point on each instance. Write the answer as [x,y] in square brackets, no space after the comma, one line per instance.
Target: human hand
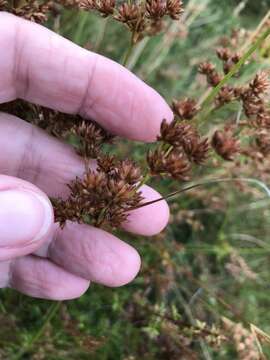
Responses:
[36,256]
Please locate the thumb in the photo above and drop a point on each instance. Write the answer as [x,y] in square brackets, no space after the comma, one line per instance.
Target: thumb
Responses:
[26,217]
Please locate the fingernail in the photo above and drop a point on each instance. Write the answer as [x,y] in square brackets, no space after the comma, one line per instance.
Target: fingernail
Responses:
[25,217]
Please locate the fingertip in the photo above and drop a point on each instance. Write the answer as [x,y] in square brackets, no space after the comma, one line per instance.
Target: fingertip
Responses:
[26,217]
[149,220]
[130,267]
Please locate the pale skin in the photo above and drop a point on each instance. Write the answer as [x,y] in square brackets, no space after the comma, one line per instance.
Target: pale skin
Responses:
[36,256]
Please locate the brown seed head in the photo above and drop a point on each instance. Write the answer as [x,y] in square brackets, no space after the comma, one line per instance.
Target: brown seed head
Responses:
[225,96]
[106,163]
[90,137]
[33,10]
[225,144]
[98,198]
[263,118]
[128,171]
[253,105]
[196,149]
[260,84]
[155,9]
[185,109]
[208,69]
[105,7]
[175,8]
[224,54]
[87,4]
[133,16]
[176,132]
[174,164]
[263,142]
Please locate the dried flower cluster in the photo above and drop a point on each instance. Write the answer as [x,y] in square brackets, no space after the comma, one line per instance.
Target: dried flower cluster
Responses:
[103,196]
[254,102]
[252,97]
[185,109]
[225,144]
[32,10]
[141,18]
[181,145]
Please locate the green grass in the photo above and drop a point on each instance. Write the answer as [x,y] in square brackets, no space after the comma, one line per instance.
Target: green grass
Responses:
[184,269]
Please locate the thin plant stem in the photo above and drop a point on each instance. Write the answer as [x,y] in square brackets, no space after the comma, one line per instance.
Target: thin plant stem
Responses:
[129,52]
[48,317]
[82,22]
[137,53]
[143,181]
[101,33]
[204,183]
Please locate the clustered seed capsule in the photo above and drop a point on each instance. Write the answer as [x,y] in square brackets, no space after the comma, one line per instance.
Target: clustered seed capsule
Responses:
[102,197]
[185,147]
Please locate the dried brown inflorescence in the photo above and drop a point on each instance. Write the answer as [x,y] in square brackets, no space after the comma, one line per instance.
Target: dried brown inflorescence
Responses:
[104,196]
[89,138]
[209,69]
[141,18]
[174,164]
[33,10]
[253,99]
[185,109]
[225,144]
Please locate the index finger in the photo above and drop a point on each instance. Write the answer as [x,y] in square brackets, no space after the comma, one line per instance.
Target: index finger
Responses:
[44,68]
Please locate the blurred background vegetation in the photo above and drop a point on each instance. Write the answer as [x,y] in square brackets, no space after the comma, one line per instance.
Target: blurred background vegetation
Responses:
[205,279]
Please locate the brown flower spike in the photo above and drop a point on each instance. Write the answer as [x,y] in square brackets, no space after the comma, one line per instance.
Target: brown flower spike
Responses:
[175,164]
[185,109]
[102,197]
[225,144]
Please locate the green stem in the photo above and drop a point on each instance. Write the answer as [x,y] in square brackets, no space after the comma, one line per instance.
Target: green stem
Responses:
[207,102]
[143,181]
[129,52]
[137,53]
[81,26]
[101,33]
[48,317]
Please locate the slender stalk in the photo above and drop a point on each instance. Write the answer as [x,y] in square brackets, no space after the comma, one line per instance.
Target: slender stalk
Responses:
[48,317]
[143,181]
[82,23]
[137,53]
[129,52]
[101,33]
[203,183]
